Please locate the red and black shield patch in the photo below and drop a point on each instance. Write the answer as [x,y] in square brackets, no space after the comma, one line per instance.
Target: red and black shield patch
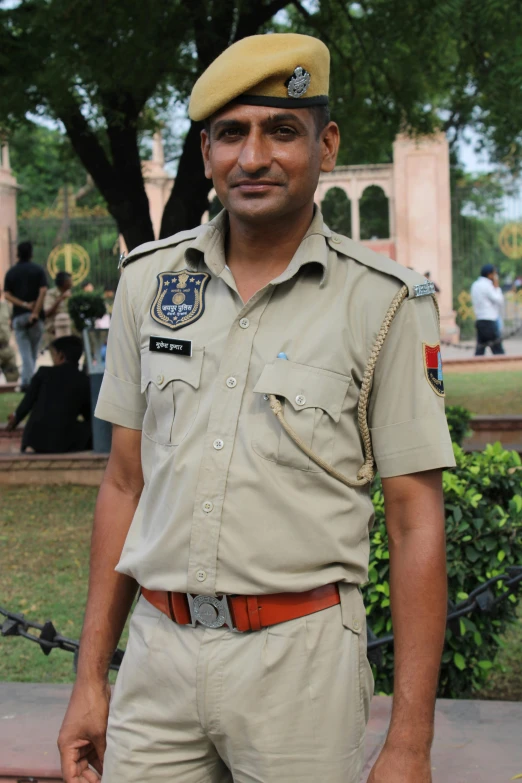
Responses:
[433,367]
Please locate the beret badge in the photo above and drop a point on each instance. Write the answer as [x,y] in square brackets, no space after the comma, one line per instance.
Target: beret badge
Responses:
[298,83]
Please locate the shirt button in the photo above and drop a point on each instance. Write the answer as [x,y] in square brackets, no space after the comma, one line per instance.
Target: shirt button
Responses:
[207,506]
[336,239]
[356,624]
[231,382]
[201,575]
[266,397]
[160,378]
[244,323]
[218,444]
[300,399]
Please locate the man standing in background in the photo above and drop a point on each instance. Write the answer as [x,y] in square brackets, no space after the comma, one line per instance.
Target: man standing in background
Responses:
[488,302]
[57,319]
[25,287]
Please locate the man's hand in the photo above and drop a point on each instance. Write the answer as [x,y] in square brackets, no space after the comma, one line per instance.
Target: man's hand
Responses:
[11,422]
[33,318]
[82,737]
[399,765]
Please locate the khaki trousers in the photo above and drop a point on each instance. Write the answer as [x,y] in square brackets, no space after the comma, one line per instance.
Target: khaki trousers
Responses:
[287,704]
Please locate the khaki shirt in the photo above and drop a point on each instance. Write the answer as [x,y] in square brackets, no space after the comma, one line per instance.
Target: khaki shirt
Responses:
[230,503]
[5,323]
[51,296]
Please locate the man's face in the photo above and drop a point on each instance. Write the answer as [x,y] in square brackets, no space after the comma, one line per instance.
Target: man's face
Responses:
[265,162]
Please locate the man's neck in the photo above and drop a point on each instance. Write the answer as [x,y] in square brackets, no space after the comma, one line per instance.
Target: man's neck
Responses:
[266,248]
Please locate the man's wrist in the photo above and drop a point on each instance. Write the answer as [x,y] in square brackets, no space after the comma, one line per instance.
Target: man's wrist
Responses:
[415,740]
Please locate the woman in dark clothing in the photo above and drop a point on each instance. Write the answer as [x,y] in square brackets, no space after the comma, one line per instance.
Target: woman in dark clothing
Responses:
[56,397]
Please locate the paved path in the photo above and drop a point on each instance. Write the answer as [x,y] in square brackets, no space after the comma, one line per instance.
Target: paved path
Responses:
[466,349]
[475,741]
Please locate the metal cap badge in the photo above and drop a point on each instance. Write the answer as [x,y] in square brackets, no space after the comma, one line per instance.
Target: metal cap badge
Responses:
[298,83]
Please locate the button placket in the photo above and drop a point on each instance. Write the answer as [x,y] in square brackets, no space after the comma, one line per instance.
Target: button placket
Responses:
[219,443]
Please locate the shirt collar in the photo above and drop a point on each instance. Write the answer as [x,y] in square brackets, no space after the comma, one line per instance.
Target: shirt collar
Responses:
[209,246]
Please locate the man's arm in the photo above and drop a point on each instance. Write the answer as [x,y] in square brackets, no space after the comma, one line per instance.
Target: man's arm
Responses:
[82,736]
[415,522]
[18,302]
[27,402]
[50,311]
[38,304]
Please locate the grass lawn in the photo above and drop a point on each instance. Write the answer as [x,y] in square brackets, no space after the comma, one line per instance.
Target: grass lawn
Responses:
[8,404]
[44,552]
[485,392]
[44,555]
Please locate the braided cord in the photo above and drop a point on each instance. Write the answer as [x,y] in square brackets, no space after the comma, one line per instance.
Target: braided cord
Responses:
[367,471]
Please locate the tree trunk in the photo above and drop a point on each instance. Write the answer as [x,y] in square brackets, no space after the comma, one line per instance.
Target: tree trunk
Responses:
[189,198]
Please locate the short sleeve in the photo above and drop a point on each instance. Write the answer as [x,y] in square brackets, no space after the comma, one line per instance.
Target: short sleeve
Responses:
[43,283]
[120,400]
[7,282]
[406,414]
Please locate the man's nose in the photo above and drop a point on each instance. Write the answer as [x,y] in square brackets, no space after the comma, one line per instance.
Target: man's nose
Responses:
[255,155]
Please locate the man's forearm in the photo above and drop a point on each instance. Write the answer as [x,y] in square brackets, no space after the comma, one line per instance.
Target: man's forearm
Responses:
[110,593]
[39,302]
[14,300]
[419,606]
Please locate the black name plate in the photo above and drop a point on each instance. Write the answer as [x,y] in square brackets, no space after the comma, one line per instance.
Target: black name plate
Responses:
[168,345]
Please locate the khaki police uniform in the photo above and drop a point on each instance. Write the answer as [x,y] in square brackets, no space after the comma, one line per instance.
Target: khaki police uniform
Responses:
[59,324]
[233,506]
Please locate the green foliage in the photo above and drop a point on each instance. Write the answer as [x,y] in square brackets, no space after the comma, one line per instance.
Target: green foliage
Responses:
[336,211]
[84,308]
[483,500]
[42,161]
[458,422]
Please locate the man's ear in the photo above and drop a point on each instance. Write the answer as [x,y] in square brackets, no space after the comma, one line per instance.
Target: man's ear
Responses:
[330,139]
[205,151]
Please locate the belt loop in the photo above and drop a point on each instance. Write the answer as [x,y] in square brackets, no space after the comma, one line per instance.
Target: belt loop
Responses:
[253,612]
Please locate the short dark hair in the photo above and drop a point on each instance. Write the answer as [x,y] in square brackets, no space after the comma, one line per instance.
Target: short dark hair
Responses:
[71,347]
[321,115]
[25,251]
[61,277]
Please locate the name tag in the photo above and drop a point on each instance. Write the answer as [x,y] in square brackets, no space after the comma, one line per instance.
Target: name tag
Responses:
[167,345]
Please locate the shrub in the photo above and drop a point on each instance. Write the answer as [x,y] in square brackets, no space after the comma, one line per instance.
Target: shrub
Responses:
[483,500]
[458,422]
[85,307]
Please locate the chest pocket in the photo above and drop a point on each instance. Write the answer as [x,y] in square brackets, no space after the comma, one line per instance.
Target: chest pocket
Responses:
[312,401]
[171,386]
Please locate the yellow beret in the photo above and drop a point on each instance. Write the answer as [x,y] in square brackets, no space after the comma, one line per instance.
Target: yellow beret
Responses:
[284,70]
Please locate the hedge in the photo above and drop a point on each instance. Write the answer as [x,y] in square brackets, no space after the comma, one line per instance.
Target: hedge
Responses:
[483,500]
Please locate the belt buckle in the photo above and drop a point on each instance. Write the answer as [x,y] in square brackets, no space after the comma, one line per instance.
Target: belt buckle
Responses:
[210,611]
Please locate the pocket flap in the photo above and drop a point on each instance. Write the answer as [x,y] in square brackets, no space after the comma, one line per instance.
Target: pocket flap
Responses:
[162,368]
[304,386]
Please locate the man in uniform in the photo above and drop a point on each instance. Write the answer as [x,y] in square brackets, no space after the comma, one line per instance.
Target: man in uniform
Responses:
[7,354]
[258,367]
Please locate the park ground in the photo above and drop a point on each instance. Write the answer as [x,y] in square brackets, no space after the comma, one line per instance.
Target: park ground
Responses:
[44,552]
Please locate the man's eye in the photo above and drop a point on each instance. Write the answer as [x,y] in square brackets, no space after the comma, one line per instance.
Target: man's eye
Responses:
[285,130]
[230,133]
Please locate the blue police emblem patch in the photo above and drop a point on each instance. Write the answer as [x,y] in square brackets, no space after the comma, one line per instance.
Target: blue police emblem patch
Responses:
[180,298]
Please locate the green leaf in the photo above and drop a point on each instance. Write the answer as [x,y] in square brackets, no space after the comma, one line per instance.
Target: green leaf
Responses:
[486,665]
[459,661]
[501,555]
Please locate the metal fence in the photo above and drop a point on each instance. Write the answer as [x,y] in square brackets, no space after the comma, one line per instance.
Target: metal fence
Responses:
[87,247]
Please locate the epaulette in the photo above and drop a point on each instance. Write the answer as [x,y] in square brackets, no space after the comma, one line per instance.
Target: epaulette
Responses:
[416,283]
[150,247]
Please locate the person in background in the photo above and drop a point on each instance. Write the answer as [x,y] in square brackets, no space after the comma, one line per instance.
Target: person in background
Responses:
[25,288]
[427,275]
[488,303]
[7,354]
[56,398]
[57,319]
[87,286]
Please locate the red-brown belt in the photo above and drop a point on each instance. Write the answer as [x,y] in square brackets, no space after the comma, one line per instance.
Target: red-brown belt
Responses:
[241,612]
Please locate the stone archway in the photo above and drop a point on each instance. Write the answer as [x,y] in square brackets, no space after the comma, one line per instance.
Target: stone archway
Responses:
[336,209]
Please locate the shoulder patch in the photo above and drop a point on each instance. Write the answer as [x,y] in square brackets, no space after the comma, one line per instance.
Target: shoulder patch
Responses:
[150,247]
[348,247]
[433,367]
